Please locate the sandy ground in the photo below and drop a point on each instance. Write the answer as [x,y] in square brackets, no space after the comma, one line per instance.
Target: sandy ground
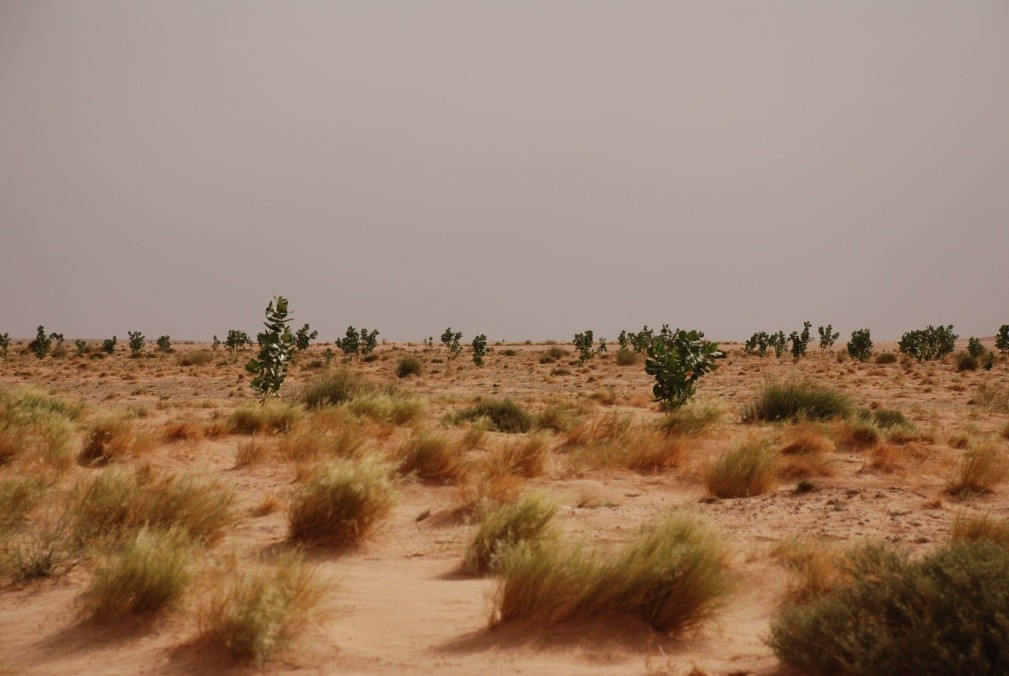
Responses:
[398,605]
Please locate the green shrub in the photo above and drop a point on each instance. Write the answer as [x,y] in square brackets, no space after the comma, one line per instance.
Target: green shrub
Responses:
[677,362]
[929,343]
[947,613]
[5,343]
[137,342]
[800,341]
[334,388]
[827,337]
[479,349]
[164,344]
[408,366]
[860,345]
[504,415]
[1002,340]
[303,337]
[276,349]
[796,400]
[974,347]
[451,340]
[109,345]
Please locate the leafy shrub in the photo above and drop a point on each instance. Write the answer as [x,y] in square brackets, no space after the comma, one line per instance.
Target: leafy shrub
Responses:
[827,337]
[5,343]
[504,415]
[1002,340]
[408,366]
[479,349]
[989,361]
[137,342]
[164,344]
[778,342]
[350,344]
[507,525]
[341,503]
[796,400]
[800,341]
[677,362]
[42,343]
[255,612]
[149,575]
[929,343]
[81,346]
[757,344]
[237,340]
[942,614]
[451,340]
[974,347]
[860,345]
[748,469]
[584,343]
[672,575]
[276,348]
[109,345]
[303,337]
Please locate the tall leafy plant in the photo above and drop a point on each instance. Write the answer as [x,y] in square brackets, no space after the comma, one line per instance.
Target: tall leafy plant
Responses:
[276,346]
[677,361]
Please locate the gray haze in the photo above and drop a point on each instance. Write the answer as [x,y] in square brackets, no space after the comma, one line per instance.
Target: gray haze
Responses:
[521,169]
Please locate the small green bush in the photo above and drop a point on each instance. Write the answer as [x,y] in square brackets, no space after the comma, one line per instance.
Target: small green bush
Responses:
[796,400]
[947,613]
[504,415]
[860,345]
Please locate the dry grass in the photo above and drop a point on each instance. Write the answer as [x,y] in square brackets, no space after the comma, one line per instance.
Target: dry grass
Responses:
[992,397]
[672,575]
[341,504]
[507,525]
[274,417]
[183,430]
[115,504]
[254,612]
[311,443]
[885,458]
[45,550]
[432,457]
[696,417]
[979,470]
[114,439]
[251,452]
[19,495]
[748,469]
[815,567]
[524,457]
[36,427]
[973,527]
[613,441]
[806,439]
[796,400]
[149,575]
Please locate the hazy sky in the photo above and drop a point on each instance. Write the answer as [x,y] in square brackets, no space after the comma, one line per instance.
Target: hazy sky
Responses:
[520,169]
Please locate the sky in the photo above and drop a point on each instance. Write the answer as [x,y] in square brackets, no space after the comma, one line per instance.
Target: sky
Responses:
[522,169]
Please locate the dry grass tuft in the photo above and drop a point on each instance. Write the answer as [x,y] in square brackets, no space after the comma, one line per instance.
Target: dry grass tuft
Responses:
[816,568]
[696,417]
[250,452]
[270,504]
[992,397]
[271,418]
[432,457]
[341,503]
[885,458]
[330,441]
[149,575]
[749,469]
[524,457]
[507,525]
[256,612]
[979,470]
[973,527]
[806,439]
[672,575]
[183,430]
[114,439]
[34,426]
[19,495]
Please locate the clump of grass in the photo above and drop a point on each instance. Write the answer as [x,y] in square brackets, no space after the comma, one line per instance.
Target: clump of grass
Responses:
[966,362]
[504,415]
[748,469]
[250,452]
[431,457]
[887,418]
[815,567]
[696,417]
[556,417]
[183,430]
[979,470]
[396,408]
[886,358]
[941,614]
[627,357]
[323,439]
[796,400]
[341,504]
[115,504]
[806,439]
[114,439]
[610,427]
[524,457]
[150,575]
[613,441]
[507,525]
[274,417]
[36,426]
[19,495]
[408,366]
[256,612]
[44,551]
[194,358]
[994,398]
[556,352]
[861,433]
[672,575]
[334,388]
[973,527]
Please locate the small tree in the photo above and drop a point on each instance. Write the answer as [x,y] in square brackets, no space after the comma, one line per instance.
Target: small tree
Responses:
[860,345]
[82,347]
[583,344]
[58,337]
[974,347]
[5,343]
[827,337]
[677,362]
[1002,340]
[800,341]
[303,337]
[369,341]
[327,356]
[276,346]
[41,345]
[642,339]
[164,344]
[109,345]
[215,343]
[237,340]
[350,345]
[451,340]
[479,349]
[778,342]
[137,342]
[428,343]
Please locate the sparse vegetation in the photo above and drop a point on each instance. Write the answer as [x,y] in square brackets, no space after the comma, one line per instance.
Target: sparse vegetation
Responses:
[979,470]
[860,345]
[408,366]
[506,525]
[276,348]
[137,342]
[677,362]
[431,457]
[503,415]
[479,349]
[827,337]
[748,469]
[796,400]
